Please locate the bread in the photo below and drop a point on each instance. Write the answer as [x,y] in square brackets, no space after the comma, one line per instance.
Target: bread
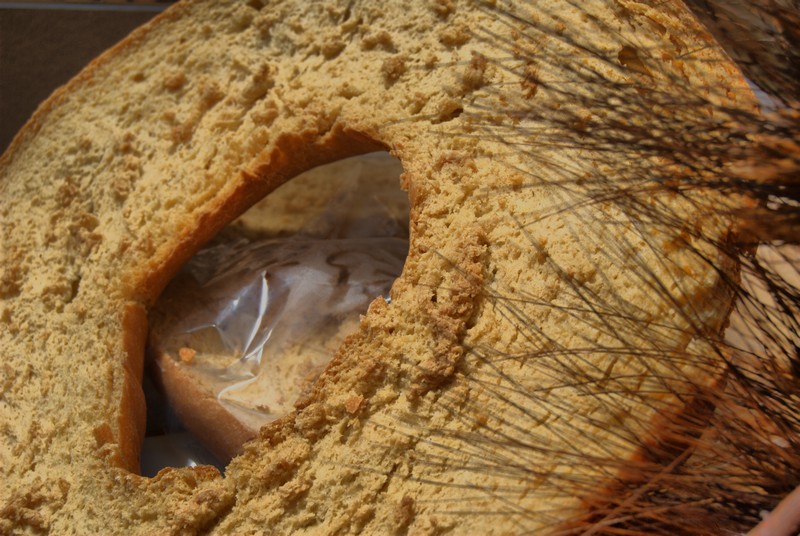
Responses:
[233,353]
[537,258]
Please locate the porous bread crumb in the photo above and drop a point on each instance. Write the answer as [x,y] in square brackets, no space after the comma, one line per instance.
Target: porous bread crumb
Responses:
[78,277]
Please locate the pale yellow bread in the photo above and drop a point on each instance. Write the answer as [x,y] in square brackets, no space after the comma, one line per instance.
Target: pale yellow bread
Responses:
[490,396]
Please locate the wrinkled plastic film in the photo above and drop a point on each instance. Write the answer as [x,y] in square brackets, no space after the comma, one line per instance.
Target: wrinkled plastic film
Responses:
[258,320]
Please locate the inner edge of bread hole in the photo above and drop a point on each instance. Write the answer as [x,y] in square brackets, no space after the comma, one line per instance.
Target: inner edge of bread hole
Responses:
[355,204]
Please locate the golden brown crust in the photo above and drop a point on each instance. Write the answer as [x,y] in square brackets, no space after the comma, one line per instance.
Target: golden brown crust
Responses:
[133,412]
[199,410]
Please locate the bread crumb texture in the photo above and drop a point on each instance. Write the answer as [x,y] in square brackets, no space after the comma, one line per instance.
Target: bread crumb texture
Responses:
[435,411]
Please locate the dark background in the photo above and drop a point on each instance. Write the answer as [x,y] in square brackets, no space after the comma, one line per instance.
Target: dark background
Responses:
[44,44]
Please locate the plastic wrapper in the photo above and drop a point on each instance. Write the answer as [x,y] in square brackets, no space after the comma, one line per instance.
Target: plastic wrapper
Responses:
[255,320]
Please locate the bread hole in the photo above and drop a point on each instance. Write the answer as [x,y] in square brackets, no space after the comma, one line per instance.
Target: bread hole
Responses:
[347,13]
[449,110]
[251,321]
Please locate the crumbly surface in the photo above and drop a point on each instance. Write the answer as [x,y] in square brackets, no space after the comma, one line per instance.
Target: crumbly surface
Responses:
[494,383]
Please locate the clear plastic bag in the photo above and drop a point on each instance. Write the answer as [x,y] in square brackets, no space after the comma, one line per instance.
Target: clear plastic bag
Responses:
[255,321]
[276,310]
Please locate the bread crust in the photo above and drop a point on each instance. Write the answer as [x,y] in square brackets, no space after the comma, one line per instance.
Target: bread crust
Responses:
[385,435]
[199,410]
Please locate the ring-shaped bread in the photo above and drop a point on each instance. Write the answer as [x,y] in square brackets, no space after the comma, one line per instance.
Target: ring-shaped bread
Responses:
[548,238]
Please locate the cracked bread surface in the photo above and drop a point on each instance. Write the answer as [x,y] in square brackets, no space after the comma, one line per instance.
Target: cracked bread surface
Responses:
[126,171]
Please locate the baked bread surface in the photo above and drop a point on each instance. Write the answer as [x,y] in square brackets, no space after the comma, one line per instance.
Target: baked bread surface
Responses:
[490,385]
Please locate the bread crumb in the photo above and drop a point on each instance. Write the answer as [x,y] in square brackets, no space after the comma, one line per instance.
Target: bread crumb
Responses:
[431,61]
[393,68]
[353,404]
[404,513]
[186,355]
[332,47]
[382,39]
[443,8]
[175,81]
[475,73]
[211,94]
[455,36]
